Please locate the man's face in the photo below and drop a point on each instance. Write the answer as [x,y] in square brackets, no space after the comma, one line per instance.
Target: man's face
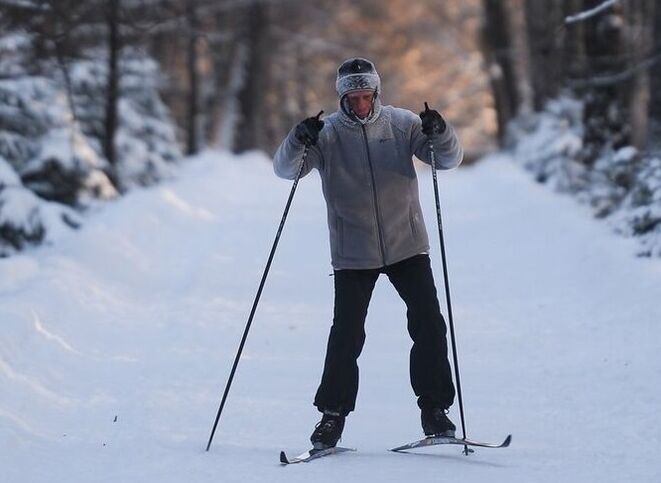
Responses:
[361,102]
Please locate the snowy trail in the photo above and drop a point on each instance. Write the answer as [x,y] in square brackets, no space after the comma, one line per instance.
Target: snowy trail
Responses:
[116,343]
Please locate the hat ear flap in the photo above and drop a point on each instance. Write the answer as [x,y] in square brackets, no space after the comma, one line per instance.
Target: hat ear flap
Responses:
[344,104]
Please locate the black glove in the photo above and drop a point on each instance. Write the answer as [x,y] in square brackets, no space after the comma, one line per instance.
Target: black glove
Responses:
[432,122]
[307,130]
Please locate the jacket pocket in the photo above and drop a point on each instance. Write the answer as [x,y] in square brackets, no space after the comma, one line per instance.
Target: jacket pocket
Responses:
[413,219]
[340,236]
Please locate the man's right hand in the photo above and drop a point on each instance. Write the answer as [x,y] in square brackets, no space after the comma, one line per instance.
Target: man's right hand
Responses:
[308,130]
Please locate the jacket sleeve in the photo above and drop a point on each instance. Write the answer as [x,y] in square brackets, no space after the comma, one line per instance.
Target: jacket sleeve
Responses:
[288,157]
[447,150]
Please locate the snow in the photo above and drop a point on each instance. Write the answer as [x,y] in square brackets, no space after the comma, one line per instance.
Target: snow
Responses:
[117,341]
[27,220]
[18,207]
[8,176]
[621,184]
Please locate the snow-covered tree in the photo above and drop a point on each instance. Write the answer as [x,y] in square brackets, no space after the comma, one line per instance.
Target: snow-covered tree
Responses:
[641,216]
[146,144]
[39,138]
[622,185]
[25,219]
[51,129]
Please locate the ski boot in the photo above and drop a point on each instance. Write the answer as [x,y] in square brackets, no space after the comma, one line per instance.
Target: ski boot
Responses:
[436,423]
[328,431]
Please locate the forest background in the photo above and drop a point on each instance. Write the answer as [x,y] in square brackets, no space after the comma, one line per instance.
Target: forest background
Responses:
[101,97]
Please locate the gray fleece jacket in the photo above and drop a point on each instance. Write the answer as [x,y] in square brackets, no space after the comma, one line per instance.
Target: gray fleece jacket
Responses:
[369,183]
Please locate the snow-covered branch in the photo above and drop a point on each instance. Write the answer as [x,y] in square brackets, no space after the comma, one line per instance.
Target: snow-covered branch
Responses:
[579,17]
[24,4]
[609,80]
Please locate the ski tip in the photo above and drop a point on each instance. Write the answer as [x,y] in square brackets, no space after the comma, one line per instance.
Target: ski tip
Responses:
[283,458]
[507,441]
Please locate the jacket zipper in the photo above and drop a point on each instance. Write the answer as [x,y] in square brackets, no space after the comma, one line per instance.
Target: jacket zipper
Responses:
[376,200]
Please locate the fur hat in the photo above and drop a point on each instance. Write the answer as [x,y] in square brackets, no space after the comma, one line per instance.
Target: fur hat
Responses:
[357,74]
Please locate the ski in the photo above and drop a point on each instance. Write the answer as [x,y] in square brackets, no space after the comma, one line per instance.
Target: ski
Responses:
[312,454]
[435,440]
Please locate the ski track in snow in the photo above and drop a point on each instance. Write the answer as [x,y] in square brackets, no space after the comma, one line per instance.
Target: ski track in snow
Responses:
[116,342]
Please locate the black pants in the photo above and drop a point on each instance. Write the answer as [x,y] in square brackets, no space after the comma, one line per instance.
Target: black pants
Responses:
[431,378]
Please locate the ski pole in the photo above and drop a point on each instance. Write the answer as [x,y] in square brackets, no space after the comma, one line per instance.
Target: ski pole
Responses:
[259,293]
[447,288]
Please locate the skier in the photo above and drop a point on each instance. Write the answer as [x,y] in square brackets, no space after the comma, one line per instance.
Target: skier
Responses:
[363,153]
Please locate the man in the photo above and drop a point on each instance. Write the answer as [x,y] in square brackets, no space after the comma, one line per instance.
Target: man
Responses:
[364,155]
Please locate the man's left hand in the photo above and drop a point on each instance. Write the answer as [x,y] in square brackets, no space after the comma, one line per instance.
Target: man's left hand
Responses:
[432,121]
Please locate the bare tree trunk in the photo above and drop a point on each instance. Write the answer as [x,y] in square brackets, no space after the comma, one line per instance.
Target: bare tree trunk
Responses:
[641,44]
[112,95]
[64,69]
[226,133]
[605,122]
[545,42]
[516,14]
[193,142]
[226,60]
[251,123]
[575,63]
[289,76]
[655,72]
[497,48]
